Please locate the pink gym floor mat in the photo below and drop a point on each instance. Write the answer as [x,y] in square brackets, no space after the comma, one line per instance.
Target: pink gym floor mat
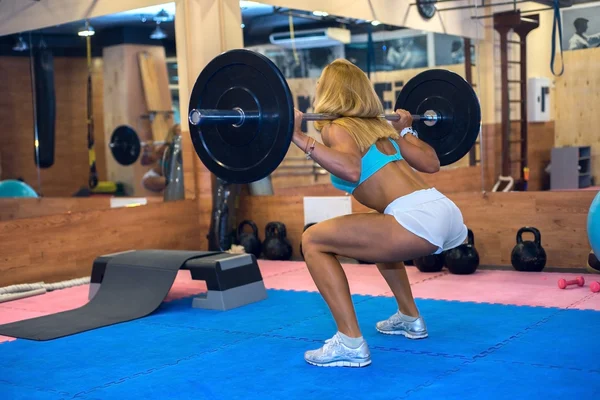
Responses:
[509,287]
[503,287]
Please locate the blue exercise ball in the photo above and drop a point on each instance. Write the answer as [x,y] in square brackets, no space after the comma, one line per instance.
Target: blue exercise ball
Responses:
[16,188]
[593,224]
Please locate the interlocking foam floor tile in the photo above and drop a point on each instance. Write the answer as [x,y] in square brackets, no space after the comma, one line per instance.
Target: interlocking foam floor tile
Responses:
[504,287]
[281,308]
[94,358]
[567,339]
[54,301]
[22,392]
[590,302]
[272,368]
[363,279]
[270,268]
[455,328]
[487,379]
[181,352]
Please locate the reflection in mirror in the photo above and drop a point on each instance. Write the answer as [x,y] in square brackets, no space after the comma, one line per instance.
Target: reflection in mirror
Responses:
[90,109]
[302,43]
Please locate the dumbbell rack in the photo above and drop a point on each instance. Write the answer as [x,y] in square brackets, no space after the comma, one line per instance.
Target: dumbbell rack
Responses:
[504,23]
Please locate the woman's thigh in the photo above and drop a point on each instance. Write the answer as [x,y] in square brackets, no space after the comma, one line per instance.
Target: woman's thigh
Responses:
[373,237]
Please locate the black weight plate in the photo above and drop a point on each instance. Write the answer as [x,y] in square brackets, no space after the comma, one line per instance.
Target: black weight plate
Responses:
[250,81]
[125,145]
[455,101]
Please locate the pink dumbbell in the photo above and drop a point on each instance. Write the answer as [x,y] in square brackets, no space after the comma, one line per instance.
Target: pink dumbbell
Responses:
[595,286]
[564,283]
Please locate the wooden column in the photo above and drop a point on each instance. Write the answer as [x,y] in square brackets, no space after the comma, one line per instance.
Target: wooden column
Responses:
[204,29]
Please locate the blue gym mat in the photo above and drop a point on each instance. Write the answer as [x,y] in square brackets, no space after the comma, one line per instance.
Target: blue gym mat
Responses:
[475,351]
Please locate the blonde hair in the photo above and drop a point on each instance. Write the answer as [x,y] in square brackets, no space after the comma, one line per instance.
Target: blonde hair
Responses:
[345,90]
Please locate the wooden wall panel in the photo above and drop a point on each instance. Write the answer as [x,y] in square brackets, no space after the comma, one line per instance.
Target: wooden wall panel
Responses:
[540,143]
[494,218]
[70,169]
[60,247]
[577,98]
[29,208]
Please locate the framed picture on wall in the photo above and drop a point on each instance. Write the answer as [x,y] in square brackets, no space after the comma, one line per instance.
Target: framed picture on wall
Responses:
[581,27]
[304,63]
[450,50]
[397,51]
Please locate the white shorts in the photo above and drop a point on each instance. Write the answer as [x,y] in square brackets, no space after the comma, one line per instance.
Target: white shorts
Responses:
[432,216]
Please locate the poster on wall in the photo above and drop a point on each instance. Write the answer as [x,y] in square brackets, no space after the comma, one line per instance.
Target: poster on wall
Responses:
[302,63]
[581,27]
[450,50]
[391,54]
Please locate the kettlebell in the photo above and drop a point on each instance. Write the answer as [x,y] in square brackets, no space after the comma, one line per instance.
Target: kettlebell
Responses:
[593,265]
[276,245]
[528,256]
[430,263]
[249,240]
[463,259]
[303,230]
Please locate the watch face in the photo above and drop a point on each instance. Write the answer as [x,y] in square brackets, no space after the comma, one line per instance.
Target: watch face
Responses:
[426,8]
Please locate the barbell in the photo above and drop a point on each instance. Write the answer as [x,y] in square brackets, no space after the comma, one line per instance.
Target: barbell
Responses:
[126,146]
[241,115]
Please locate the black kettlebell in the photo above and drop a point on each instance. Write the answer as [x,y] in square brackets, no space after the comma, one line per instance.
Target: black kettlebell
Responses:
[249,240]
[303,230]
[528,256]
[463,259]
[276,246]
[593,263]
[430,263]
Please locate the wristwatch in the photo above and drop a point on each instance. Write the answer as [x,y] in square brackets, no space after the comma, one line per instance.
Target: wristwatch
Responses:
[409,130]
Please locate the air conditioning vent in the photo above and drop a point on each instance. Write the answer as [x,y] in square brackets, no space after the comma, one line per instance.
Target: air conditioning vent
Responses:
[311,38]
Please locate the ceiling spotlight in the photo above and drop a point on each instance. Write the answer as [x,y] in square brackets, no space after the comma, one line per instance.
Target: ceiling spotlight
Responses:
[158,33]
[21,45]
[375,23]
[249,4]
[320,13]
[86,30]
[162,16]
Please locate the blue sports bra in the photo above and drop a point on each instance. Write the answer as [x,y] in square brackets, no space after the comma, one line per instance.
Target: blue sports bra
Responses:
[372,161]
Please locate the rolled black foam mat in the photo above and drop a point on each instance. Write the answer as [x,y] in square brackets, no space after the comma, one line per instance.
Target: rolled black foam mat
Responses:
[134,285]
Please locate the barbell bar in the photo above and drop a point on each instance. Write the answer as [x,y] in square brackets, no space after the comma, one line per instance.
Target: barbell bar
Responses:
[241,114]
[237,117]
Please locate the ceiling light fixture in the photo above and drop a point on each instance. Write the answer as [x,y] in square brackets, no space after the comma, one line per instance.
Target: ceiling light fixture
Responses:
[86,30]
[158,33]
[21,45]
[162,16]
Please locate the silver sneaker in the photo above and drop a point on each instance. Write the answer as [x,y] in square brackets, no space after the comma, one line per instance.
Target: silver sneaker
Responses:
[335,354]
[396,325]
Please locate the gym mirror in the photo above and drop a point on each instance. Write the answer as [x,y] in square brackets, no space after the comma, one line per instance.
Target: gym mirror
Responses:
[90,110]
[538,129]
[302,43]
